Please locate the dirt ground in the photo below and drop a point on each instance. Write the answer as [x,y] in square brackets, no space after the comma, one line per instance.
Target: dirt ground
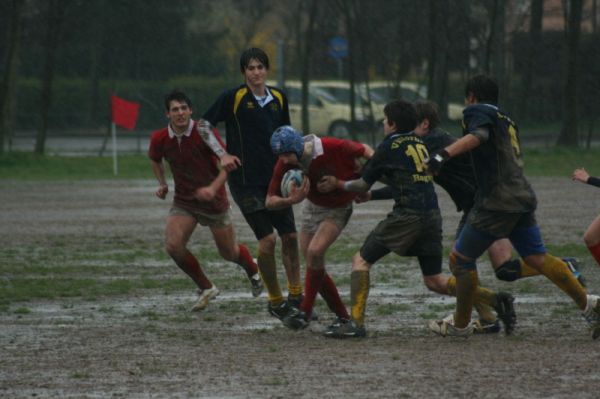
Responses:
[147,344]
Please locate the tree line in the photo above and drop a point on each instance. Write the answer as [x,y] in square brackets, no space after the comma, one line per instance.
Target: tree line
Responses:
[64,57]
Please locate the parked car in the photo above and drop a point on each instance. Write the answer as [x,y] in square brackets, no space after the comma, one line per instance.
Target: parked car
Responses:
[411,92]
[327,114]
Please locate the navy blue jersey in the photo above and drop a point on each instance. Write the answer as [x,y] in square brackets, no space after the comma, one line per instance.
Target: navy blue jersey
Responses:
[456,177]
[497,161]
[398,160]
[248,130]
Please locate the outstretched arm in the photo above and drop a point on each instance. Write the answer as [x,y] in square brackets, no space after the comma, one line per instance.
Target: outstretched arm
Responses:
[460,146]
[580,174]
[228,162]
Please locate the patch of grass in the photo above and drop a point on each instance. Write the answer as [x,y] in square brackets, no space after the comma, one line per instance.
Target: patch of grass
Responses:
[391,308]
[554,161]
[80,375]
[28,166]
[22,310]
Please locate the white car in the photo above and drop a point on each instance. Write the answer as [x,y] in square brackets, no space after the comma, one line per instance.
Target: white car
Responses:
[411,92]
[327,114]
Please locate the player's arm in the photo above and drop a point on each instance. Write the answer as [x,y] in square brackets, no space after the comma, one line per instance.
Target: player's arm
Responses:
[297,194]
[330,183]
[210,137]
[208,193]
[460,146]
[158,169]
[580,174]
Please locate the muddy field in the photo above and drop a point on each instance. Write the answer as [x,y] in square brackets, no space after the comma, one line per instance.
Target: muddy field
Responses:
[146,344]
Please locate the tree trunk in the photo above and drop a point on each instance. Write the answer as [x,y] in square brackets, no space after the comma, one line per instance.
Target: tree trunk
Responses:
[569,134]
[438,56]
[306,62]
[535,34]
[55,16]
[9,80]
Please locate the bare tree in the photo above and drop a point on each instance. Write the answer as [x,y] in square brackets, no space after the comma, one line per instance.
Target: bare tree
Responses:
[438,52]
[9,80]
[569,132]
[305,50]
[535,35]
[54,17]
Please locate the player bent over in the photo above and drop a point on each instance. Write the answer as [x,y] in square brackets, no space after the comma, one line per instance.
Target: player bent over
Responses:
[200,197]
[413,228]
[324,216]
[504,207]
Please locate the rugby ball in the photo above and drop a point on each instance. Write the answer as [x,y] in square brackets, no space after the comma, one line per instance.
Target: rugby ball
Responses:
[294,176]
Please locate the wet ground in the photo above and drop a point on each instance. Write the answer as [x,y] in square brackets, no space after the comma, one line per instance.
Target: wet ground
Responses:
[147,344]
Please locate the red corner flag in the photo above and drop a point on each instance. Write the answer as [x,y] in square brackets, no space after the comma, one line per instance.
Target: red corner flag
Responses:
[124,113]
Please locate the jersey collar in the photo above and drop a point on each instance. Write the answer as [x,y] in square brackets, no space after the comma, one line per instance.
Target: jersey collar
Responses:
[187,132]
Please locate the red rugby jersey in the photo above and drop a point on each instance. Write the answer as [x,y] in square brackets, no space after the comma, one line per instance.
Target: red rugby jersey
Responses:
[337,160]
[193,165]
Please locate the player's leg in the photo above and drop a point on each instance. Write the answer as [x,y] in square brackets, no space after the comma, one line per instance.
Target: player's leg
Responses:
[283,221]
[179,228]
[230,250]
[325,235]
[527,240]
[508,269]
[470,245]
[260,223]
[321,226]
[372,250]
[592,239]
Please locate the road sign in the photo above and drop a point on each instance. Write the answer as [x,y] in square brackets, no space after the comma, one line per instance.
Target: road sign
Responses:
[338,47]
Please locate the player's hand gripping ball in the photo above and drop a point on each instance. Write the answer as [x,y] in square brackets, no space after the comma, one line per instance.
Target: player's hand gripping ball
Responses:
[292,176]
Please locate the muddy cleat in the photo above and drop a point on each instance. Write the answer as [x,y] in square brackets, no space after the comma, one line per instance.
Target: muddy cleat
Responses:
[574,266]
[204,297]
[446,328]
[337,323]
[592,315]
[296,301]
[257,285]
[486,327]
[348,330]
[506,311]
[295,320]
[281,310]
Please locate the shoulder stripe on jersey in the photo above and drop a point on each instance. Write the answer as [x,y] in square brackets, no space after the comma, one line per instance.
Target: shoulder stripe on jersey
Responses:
[238,98]
[278,95]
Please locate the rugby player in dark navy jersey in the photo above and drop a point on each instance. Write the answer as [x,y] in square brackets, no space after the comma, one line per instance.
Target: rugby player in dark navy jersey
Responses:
[504,208]
[251,113]
[458,180]
[413,228]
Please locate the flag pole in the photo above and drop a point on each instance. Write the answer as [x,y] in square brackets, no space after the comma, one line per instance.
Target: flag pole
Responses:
[114,146]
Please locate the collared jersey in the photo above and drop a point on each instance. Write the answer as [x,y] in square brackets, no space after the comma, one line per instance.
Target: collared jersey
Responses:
[248,128]
[456,177]
[332,156]
[399,160]
[193,165]
[497,161]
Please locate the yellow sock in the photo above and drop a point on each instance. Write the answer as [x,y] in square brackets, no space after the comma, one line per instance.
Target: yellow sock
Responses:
[268,273]
[528,271]
[466,288]
[558,272]
[359,291]
[294,290]
[482,302]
